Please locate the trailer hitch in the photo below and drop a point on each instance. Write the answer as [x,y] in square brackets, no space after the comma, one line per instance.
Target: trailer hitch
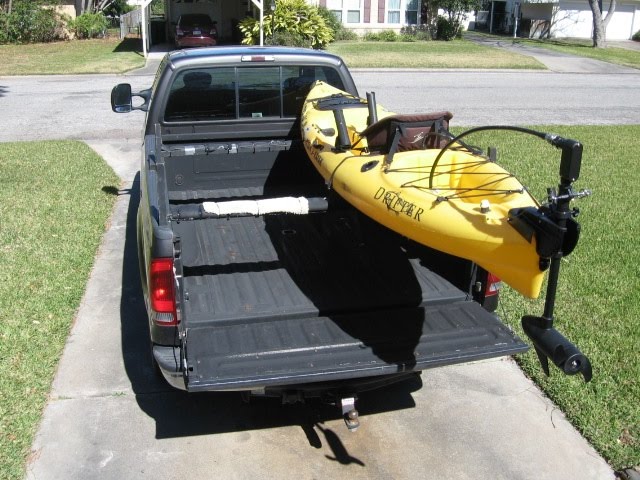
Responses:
[548,342]
[349,412]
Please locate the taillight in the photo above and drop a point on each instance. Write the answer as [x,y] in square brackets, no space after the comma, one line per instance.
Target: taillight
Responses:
[162,292]
[179,32]
[213,33]
[492,286]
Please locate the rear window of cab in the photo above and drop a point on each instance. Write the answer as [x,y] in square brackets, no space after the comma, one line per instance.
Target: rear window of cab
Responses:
[231,93]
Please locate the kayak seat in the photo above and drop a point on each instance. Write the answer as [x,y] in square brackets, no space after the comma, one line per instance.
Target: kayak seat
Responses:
[401,133]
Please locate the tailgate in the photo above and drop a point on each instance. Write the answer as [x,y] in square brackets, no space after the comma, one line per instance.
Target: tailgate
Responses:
[289,351]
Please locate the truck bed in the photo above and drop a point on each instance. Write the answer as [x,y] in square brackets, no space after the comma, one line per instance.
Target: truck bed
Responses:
[288,299]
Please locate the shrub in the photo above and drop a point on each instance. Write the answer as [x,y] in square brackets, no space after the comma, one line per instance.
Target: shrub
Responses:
[30,22]
[289,39]
[447,29]
[405,37]
[330,19]
[295,17]
[388,36]
[455,12]
[636,36]
[418,32]
[346,34]
[383,36]
[371,37]
[88,25]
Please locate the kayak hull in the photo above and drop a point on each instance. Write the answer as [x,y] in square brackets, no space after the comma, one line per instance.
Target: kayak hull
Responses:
[461,206]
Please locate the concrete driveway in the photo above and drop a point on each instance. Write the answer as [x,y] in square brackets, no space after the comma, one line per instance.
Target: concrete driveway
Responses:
[109,417]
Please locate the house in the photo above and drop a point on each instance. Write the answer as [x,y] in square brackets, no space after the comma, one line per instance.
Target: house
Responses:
[557,18]
[373,15]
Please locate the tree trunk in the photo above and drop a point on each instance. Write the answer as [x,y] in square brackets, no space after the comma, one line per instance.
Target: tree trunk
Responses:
[599,40]
[8,13]
[600,24]
[87,6]
[610,12]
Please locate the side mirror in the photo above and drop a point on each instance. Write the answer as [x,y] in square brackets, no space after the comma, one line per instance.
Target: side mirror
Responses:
[121,98]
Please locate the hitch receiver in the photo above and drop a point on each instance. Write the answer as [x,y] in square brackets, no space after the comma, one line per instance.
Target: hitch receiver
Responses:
[349,413]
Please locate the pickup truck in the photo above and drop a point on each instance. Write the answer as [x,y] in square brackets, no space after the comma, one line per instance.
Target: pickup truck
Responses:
[328,303]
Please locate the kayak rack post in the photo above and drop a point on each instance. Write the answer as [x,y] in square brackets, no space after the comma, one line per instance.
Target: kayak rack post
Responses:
[342,141]
[373,110]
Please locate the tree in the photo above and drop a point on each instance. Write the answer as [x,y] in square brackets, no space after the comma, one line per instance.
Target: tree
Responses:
[117,8]
[600,24]
[93,6]
[456,12]
[29,21]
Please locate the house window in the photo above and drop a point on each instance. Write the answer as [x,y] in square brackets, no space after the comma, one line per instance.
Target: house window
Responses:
[393,11]
[335,6]
[403,11]
[411,13]
[351,10]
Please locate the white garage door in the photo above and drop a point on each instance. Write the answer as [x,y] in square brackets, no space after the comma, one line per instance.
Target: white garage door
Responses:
[574,19]
[621,25]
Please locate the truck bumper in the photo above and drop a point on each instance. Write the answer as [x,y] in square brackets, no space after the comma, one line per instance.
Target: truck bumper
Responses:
[168,361]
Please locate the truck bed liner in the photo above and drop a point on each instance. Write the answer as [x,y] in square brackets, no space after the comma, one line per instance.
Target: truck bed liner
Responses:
[263,306]
[279,266]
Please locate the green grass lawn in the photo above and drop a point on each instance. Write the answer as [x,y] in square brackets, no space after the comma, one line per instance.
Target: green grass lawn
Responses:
[599,297]
[454,54]
[52,217]
[108,55]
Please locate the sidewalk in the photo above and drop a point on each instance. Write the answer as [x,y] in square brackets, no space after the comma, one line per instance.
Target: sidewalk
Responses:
[554,61]
[154,57]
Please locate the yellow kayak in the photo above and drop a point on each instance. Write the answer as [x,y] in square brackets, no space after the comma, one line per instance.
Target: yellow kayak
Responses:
[459,206]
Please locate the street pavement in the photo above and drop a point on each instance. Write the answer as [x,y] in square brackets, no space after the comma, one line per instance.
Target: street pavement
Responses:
[109,417]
